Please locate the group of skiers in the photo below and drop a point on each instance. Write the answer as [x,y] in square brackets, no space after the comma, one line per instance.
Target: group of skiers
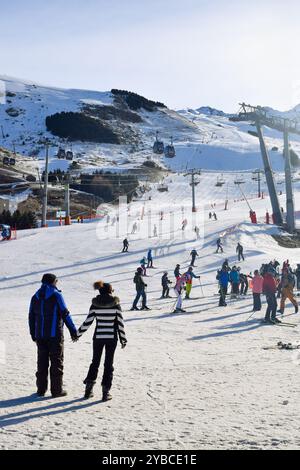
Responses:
[267,281]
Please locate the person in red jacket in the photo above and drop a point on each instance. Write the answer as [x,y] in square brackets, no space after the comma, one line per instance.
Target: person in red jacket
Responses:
[269,289]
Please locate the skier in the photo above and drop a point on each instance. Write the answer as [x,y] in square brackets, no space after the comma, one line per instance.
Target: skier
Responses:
[194,255]
[6,232]
[150,259]
[297,273]
[125,246]
[155,234]
[215,216]
[179,286]
[165,282]
[267,218]
[140,291]
[134,228]
[235,282]
[184,225]
[269,289]
[210,216]
[109,329]
[223,278]
[47,315]
[143,266]
[287,287]
[244,285]
[177,271]
[257,288]
[197,231]
[219,246]
[240,252]
[189,276]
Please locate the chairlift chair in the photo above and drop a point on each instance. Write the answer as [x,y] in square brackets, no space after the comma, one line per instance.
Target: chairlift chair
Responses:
[162,188]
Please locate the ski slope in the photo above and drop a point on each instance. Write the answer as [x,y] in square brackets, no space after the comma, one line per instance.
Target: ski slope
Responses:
[198,380]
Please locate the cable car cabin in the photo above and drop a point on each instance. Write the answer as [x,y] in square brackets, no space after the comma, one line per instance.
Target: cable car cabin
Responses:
[162,188]
[61,154]
[170,151]
[5,161]
[158,147]
[69,155]
[12,161]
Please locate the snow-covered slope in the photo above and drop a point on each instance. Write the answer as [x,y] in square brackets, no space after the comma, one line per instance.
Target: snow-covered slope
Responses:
[198,380]
[203,138]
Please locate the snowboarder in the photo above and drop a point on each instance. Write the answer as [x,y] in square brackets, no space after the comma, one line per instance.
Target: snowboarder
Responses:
[109,329]
[287,287]
[150,259]
[179,286]
[219,246]
[125,245]
[189,276]
[240,252]
[47,315]
[165,282]
[223,278]
[177,271]
[257,288]
[140,291]
[194,255]
[269,289]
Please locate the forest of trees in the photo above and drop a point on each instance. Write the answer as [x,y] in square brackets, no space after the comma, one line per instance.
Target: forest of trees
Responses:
[78,126]
[22,221]
[135,101]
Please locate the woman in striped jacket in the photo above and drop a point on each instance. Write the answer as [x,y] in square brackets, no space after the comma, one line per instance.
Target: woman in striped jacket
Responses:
[109,328]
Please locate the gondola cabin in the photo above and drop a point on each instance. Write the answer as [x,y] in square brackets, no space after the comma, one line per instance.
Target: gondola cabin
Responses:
[158,146]
[170,150]
[69,155]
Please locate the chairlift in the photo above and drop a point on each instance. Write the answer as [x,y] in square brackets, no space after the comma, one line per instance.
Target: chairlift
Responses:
[220,182]
[170,150]
[158,146]
[162,188]
[239,180]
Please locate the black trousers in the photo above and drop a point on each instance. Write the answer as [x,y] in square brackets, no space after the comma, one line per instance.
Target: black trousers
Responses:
[166,291]
[256,303]
[98,346]
[241,256]
[223,293]
[50,351]
[272,307]
[244,288]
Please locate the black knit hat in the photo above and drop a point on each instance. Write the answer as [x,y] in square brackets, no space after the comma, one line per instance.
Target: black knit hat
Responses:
[49,279]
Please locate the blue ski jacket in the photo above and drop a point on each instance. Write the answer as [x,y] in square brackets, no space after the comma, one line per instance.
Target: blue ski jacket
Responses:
[48,313]
[223,277]
[235,277]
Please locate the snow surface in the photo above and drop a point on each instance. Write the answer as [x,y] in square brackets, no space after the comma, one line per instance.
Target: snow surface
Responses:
[198,380]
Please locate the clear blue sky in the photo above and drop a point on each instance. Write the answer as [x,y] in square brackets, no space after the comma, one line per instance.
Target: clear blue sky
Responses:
[182,52]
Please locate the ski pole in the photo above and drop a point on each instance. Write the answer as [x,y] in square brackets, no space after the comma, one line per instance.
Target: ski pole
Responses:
[252,314]
[201,287]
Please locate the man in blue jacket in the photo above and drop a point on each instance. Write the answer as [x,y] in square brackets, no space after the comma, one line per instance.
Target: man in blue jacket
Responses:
[47,315]
[223,278]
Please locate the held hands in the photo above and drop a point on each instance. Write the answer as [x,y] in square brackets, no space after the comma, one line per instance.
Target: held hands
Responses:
[75,337]
[123,345]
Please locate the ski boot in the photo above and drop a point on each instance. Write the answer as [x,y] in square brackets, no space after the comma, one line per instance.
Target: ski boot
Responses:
[106,396]
[296,309]
[145,308]
[41,393]
[280,311]
[61,394]
[88,389]
[134,309]
[276,321]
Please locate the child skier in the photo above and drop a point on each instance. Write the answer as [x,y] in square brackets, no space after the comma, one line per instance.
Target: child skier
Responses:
[179,286]
[177,272]
[165,282]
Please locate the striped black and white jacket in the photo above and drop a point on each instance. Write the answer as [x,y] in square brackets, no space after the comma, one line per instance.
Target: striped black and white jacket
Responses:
[109,320]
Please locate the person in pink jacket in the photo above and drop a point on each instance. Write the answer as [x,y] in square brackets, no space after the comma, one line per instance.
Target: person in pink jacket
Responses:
[257,288]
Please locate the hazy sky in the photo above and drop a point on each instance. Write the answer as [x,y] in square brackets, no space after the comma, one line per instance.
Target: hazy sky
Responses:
[186,53]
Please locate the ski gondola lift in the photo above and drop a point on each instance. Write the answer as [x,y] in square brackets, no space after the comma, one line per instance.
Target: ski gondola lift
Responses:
[158,146]
[61,154]
[69,155]
[170,150]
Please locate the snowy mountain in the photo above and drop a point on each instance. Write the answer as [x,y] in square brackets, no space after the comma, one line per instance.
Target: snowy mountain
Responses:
[203,138]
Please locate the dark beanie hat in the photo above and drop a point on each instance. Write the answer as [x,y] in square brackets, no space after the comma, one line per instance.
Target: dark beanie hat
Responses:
[49,279]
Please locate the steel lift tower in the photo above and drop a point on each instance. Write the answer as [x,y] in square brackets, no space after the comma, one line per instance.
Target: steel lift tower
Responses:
[261,117]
